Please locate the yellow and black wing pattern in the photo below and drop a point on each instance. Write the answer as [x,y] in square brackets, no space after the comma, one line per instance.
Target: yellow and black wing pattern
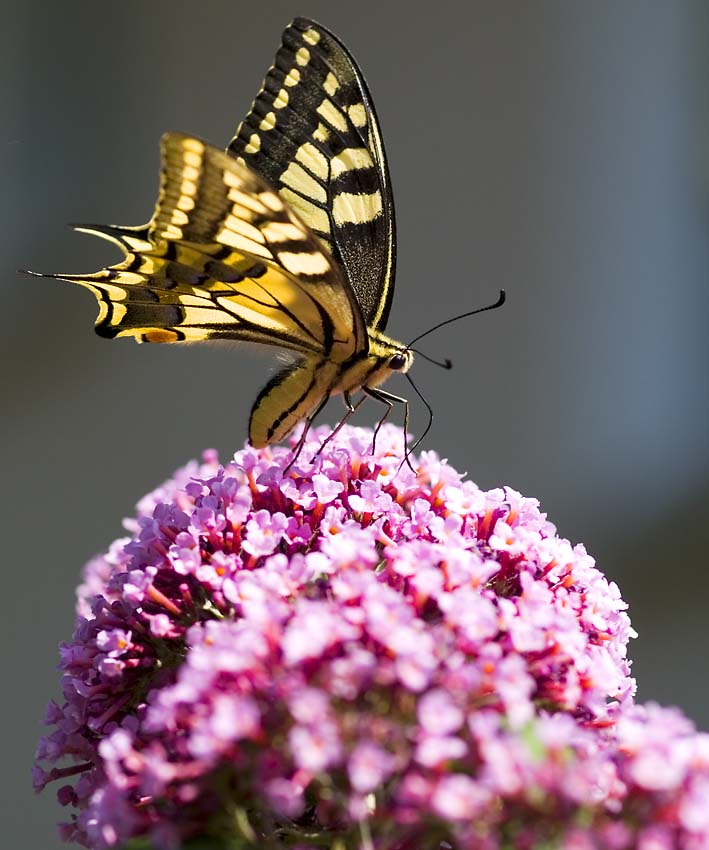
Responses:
[312,133]
[286,238]
[222,258]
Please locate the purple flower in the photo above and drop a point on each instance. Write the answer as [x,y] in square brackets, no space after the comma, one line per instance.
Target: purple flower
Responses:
[264,532]
[369,765]
[438,712]
[343,650]
[460,798]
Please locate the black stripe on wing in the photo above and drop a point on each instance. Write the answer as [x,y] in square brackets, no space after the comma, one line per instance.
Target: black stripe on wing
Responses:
[313,134]
[223,257]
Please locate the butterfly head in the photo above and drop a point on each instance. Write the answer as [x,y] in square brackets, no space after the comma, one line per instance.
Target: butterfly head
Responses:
[386,356]
[401,360]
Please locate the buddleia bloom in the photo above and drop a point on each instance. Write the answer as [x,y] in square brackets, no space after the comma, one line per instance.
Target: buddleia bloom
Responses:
[345,652]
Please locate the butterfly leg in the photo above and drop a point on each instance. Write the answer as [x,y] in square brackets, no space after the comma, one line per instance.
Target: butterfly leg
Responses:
[306,428]
[351,408]
[389,399]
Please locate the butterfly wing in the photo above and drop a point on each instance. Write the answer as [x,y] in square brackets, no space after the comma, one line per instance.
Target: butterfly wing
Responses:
[223,258]
[291,395]
[312,133]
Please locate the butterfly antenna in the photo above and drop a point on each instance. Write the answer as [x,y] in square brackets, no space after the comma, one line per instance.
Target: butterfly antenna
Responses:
[500,301]
[445,364]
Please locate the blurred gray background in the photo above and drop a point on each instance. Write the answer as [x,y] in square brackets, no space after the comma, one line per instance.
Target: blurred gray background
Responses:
[557,149]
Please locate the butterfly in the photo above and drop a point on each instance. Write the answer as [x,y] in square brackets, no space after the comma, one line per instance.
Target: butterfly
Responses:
[287,238]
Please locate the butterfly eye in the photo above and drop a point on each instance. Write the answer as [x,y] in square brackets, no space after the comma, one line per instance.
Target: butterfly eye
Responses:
[397,362]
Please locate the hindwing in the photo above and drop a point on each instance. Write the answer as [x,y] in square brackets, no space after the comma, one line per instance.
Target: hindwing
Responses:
[312,133]
[290,396]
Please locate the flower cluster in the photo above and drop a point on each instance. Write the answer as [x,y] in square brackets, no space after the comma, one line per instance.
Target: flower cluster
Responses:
[345,650]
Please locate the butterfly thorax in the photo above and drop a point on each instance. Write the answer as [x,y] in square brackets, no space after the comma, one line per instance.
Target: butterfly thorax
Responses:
[383,357]
[300,389]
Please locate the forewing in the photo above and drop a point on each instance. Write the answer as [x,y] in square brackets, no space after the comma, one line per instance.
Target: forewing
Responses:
[313,134]
[223,258]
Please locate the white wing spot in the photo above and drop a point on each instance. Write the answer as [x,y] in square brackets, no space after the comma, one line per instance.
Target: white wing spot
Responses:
[358,115]
[351,159]
[331,84]
[188,190]
[242,244]
[304,263]
[313,159]
[332,115]
[298,179]
[348,208]
[254,144]
[293,77]
[311,36]
[119,311]
[232,179]
[246,202]
[115,293]
[192,158]
[179,217]
[281,231]
[313,216]
[172,231]
[268,199]
[281,100]
[321,134]
[193,145]
[268,122]
[190,151]
[244,228]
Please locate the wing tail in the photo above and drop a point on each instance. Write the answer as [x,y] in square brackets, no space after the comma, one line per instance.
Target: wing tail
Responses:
[222,257]
[126,238]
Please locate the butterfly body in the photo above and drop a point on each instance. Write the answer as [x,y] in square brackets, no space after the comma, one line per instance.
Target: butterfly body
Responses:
[286,238]
[297,391]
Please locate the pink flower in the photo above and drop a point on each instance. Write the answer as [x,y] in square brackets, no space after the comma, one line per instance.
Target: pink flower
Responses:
[315,747]
[264,531]
[314,628]
[370,499]
[438,713]
[368,767]
[460,798]
[435,750]
[356,654]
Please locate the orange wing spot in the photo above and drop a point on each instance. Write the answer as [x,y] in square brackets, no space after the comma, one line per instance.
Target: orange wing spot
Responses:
[161,335]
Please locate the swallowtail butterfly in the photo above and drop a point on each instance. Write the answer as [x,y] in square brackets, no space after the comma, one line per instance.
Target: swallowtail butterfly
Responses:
[286,238]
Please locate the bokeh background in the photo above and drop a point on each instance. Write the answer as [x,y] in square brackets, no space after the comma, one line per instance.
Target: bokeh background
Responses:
[557,149]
